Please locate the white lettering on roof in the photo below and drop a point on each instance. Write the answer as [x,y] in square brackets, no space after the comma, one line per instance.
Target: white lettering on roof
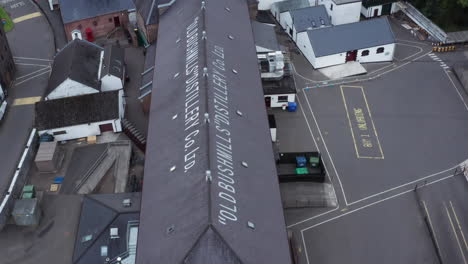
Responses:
[227,207]
[192,94]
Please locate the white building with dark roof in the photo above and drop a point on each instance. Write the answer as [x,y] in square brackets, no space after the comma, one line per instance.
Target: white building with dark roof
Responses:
[308,18]
[342,11]
[375,8]
[80,116]
[366,41]
[113,69]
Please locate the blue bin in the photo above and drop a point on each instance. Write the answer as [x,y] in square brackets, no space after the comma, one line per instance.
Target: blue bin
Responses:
[292,106]
[301,161]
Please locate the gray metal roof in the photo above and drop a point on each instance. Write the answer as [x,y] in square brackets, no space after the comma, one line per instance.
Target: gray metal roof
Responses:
[79,60]
[310,18]
[83,109]
[348,37]
[114,61]
[209,169]
[75,10]
[265,36]
[341,2]
[288,5]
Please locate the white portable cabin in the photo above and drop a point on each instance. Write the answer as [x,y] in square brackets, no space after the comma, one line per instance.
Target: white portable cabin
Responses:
[366,41]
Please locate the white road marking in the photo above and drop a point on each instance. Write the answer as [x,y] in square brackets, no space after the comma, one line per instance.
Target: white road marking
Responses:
[26,58]
[420,43]
[32,77]
[455,233]
[29,74]
[326,148]
[459,94]
[32,64]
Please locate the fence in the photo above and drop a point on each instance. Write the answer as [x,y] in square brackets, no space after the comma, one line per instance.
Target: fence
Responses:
[19,179]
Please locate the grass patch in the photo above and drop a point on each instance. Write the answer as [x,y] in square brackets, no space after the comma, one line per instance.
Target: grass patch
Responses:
[4,16]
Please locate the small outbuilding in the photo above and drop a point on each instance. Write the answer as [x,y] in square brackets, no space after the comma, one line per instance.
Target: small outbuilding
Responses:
[278,8]
[308,18]
[376,8]
[342,11]
[279,93]
[80,116]
[366,41]
[113,68]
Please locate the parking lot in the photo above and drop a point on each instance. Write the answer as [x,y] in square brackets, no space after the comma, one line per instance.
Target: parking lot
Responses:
[381,134]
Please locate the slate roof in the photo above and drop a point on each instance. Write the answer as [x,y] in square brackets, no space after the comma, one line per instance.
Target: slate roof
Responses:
[99,213]
[148,72]
[83,109]
[114,61]
[348,37]
[265,36]
[74,10]
[310,18]
[79,60]
[284,86]
[187,213]
[288,5]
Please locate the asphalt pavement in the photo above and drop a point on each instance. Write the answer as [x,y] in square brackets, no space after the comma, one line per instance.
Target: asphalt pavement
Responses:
[32,45]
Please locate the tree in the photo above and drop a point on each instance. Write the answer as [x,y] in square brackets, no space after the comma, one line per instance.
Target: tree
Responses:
[463,3]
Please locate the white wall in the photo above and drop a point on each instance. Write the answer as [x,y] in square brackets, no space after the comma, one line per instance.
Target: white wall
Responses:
[274,99]
[387,55]
[286,21]
[341,14]
[369,12]
[122,104]
[83,130]
[110,83]
[70,88]
[266,4]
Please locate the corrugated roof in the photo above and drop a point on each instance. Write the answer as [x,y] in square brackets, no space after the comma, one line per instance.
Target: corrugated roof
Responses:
[114,61]
[209,170]
[148,72]
[310,18]
[77,110]
[348,37]
[79,60]
[285,6]
[265,36]
[75,10]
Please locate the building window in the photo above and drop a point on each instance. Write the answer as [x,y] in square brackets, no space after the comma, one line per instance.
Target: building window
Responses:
[62,132]
[365,53]
[283,99]
[80,26]
[94,23]
[380,50]
[331,7]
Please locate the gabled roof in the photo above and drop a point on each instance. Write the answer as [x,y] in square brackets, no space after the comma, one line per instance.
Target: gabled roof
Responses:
[74,10]
[211,193]
[265,36]
[98,214]
[288,5]
[114,61]
[310,18]
[83,109]
[79,60]
[348,37]
[342,2]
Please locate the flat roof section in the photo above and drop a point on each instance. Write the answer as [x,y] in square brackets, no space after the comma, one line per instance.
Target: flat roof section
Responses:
[211,193]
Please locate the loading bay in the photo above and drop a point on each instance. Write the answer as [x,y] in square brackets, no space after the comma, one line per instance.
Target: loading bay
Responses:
[402,127]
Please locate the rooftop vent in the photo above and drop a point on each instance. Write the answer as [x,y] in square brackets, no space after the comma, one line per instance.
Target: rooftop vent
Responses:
[86,238]
[172,168]
[104,251]
[250,225]
[228,9]
[174,116]
[239,113]
[245,164]
[127,202]
[230,37]
[170,229]
[114,233]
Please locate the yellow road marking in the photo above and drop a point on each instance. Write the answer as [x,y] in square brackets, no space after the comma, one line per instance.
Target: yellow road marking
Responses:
[459,226]
[26,17]
[27,100]
[455,232]
[371,119]
[430,224]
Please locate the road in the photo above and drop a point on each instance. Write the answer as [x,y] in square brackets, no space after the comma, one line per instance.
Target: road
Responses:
[32,45]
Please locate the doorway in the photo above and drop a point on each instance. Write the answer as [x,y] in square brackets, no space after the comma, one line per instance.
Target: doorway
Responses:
[376,12]
[268,101]
[387,9]
[351,55]
[116,21]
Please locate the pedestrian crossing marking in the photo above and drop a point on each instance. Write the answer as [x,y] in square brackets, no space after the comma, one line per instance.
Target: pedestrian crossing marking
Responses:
[27,100]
